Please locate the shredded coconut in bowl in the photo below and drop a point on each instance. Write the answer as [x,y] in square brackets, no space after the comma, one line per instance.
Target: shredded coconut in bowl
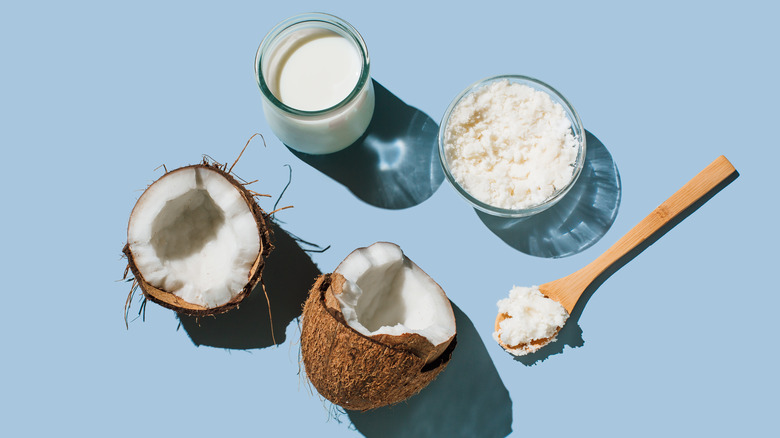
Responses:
[509,145]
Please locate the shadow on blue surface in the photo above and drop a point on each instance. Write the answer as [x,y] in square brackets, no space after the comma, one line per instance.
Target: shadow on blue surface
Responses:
[468,399]
[288,275]
[571,333]
[395,164]
[577,221]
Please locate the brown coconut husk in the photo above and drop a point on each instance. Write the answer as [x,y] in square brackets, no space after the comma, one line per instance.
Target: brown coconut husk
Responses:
[171,301]
[359,372]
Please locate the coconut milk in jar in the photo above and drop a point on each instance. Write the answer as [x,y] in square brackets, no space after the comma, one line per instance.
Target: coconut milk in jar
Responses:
[313,72]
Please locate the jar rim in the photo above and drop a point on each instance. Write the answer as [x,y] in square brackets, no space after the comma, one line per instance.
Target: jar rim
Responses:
[312,17]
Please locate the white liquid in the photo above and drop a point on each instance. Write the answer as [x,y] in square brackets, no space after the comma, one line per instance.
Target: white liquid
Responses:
[314,69]
[319,73]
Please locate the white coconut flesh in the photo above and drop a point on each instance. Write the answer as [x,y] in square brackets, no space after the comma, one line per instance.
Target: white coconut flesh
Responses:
[192,234]
[385,293]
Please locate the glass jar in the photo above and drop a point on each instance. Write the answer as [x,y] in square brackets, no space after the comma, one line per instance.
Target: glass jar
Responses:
[320,130]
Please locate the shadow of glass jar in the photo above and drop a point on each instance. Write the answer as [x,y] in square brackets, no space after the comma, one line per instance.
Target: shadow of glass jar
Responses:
[395,164]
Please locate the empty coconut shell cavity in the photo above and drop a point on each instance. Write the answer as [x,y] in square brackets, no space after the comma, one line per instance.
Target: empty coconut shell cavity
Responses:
[377,330]
[197,240]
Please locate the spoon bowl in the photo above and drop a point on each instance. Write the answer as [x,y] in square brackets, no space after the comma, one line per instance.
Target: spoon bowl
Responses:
[568,290]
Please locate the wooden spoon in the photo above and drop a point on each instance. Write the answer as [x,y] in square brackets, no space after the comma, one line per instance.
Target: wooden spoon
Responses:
[569,289]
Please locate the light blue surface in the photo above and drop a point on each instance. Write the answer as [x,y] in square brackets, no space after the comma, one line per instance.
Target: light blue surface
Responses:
[679,342]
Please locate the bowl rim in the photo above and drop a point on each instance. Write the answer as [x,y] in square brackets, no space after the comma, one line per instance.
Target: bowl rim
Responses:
[577,128]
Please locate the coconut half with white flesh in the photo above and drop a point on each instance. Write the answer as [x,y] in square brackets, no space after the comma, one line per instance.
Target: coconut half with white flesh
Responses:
[197,240]
[377,330]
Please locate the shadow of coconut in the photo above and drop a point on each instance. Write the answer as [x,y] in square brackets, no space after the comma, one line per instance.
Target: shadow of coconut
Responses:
[571,333]
[395,164]
[288,274]
[577,221]
[468,399]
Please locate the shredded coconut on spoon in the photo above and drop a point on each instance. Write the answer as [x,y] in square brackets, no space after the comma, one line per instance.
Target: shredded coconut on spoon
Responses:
[528,317]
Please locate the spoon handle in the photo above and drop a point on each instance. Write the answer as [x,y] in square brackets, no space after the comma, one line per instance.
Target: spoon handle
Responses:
[697,188]
[569,289]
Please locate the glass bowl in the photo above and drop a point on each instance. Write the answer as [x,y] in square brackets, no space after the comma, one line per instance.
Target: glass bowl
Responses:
[577,130]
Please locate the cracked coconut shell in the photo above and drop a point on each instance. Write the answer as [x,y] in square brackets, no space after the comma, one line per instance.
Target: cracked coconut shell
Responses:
[254,226]
[359,372]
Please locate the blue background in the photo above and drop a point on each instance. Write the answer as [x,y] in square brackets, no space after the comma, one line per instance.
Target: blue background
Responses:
[95,96]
